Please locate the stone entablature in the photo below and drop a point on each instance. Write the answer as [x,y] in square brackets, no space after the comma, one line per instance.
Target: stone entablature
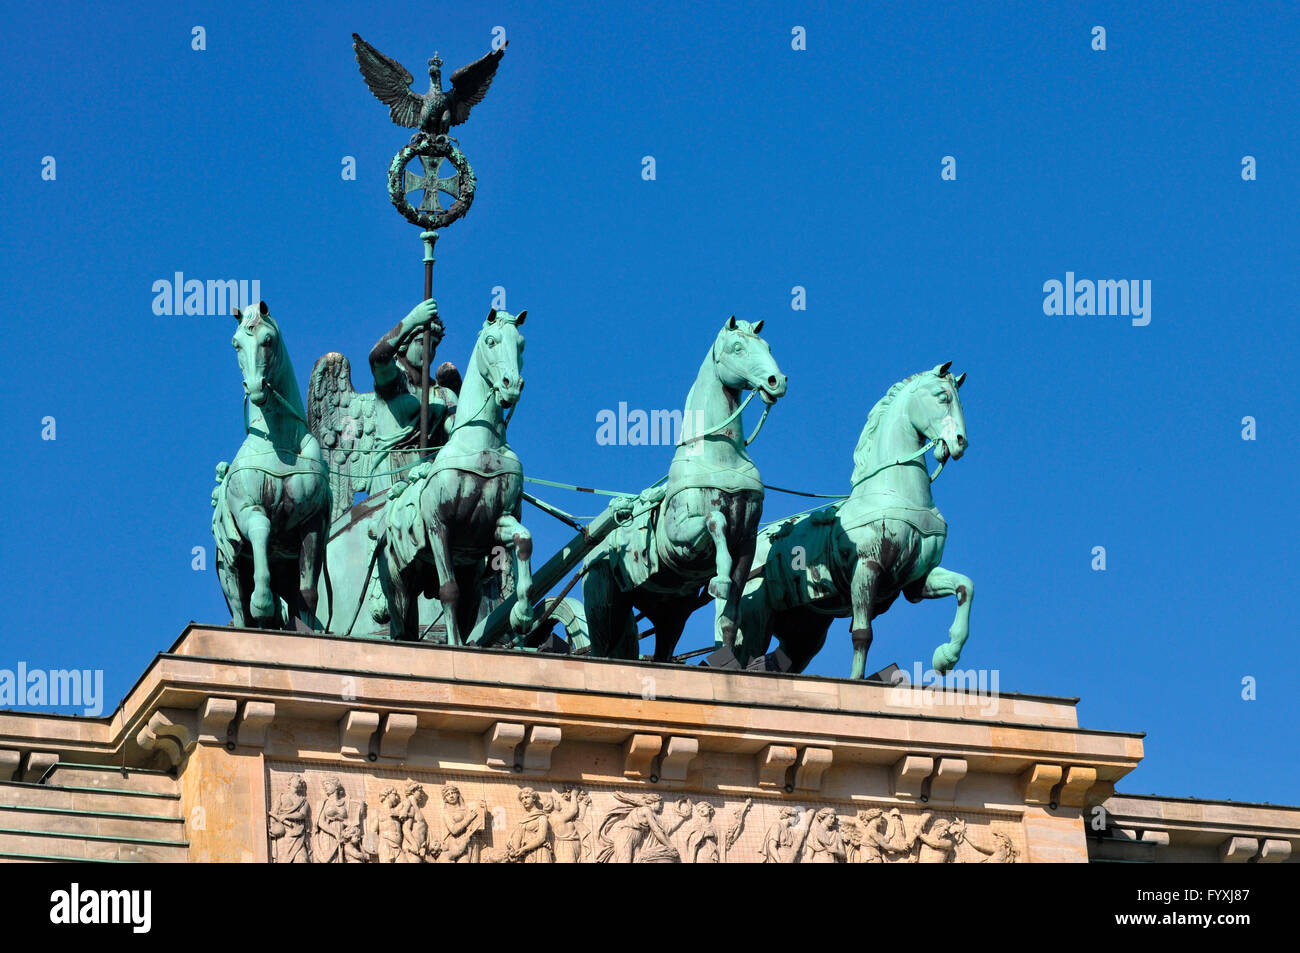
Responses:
[722,763]
[1128,827]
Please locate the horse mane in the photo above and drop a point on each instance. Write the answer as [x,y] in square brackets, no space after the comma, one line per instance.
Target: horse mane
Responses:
[862,452]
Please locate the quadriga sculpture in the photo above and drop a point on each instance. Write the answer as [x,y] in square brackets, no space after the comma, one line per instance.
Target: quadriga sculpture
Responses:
[854,557]
[703,531]
[443,524]
[272,502]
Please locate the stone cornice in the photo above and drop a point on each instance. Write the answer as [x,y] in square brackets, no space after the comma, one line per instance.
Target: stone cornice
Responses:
[315,678]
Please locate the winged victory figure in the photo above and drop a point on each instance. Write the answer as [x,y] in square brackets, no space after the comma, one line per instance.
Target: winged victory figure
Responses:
[369,439]
[436,111]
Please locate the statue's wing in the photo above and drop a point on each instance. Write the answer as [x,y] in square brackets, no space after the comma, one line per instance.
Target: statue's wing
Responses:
[344,423]
[390,82]
[469,84]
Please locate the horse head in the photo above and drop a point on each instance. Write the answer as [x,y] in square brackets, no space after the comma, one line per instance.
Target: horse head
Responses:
[743,361]
[499,355]
[260,350]
[934,410]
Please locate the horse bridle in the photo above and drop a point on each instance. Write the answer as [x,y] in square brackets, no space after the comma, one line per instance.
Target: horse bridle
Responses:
[734,414]
[924,449]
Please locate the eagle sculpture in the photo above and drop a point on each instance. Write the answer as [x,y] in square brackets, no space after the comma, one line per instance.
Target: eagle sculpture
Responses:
[436,111]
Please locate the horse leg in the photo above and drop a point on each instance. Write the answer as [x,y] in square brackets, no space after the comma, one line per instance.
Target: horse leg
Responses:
[262,601]
[284,585]
[801,633]
[470,579]
[448,589]
[228,576]
[863,593]
[720,587]
[741,561]
[609,613]
[393,584]
[754,623]
[311,557]
[939,583]
[668,616]
[512,532]
[753,631]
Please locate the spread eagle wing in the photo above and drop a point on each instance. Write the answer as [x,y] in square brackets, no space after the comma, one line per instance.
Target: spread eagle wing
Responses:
[391,83]
[344,423]
[469,84]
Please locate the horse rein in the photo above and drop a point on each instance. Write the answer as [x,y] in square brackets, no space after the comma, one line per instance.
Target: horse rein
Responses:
[734,414]
[925,448]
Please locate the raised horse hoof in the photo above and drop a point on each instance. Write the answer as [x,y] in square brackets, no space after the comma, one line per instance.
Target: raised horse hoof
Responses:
[521,618]
[261,606]
[944,658]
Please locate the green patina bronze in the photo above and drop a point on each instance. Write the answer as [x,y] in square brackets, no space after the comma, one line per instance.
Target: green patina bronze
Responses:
[371,439]
[432,115]
[854,557]
[443,524]
[703,532]
[370,442]
[272,502]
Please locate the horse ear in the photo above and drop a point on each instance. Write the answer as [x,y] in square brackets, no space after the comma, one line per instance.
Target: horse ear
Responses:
[519,318]
[731,323]
[961,378]
[237,314]
[492,315]
[943,368]
[261,307]
[758,328]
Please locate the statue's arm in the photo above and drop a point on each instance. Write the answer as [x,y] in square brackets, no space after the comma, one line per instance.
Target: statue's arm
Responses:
[874,838]
[657,830]
[383,355]
[937,843]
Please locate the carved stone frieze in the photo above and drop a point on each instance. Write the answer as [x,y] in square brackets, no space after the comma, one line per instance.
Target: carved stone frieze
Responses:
[357,814]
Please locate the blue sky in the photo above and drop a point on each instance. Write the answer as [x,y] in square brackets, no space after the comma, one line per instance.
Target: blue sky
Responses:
[775,168]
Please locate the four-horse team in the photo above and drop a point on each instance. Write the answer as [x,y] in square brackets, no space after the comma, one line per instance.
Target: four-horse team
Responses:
[448,526]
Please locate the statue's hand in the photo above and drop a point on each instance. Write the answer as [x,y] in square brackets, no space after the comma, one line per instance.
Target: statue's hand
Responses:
[425,314]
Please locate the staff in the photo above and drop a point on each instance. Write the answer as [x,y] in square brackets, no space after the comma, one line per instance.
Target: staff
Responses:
[429,238]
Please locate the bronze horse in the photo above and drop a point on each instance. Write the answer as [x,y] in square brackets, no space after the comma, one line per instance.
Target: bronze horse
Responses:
[459,509]
[854,557]
[272,502]
[703,531]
